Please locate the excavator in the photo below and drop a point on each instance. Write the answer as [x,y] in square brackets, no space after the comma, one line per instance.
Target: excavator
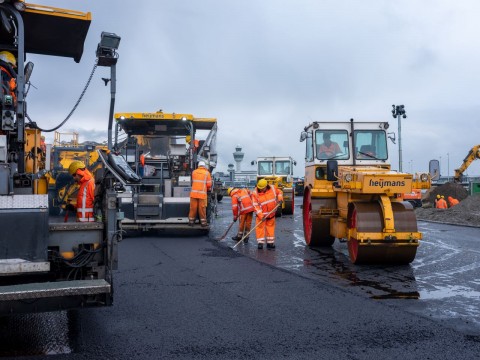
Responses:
[46,262]
[472,155]
[351,193]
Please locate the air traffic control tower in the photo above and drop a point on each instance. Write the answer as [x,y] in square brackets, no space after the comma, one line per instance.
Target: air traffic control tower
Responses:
[238,157]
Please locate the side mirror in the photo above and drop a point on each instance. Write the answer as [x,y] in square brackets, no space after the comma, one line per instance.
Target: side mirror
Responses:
[303,136]
[294,163]
[5,22]
[332,170]
[253,162]
[28,71]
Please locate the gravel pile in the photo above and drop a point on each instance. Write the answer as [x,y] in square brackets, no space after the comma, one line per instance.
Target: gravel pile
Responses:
[467,212]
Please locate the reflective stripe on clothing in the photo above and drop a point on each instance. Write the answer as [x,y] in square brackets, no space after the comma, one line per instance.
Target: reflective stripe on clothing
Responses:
[241,202]
[201,183]
[85,197]
[265,202]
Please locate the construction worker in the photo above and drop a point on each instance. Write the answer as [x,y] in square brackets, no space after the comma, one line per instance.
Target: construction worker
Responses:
[196,143]
[452,201]
[86,192]
[265,199]
[441,203]
[242,206]
[8,63]
[436,199]
[201,184]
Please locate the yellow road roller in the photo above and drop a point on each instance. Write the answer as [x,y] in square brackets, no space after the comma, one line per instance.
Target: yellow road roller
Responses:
[351,193]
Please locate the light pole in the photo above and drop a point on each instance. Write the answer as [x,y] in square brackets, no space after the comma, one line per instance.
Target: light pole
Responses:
[448,167]
[399,112]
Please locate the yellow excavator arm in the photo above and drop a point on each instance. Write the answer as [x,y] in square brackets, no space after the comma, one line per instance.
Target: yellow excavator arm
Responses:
[473,154]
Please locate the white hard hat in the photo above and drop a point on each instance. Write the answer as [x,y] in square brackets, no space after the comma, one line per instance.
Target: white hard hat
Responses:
[202,163]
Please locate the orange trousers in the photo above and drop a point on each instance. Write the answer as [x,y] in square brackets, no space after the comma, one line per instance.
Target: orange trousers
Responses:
[265,231]
[198,207]
[245,224]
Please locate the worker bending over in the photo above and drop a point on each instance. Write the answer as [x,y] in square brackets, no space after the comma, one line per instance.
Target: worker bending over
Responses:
[242,206]
[265,199]
[452,201]
[86,192]
[201,184]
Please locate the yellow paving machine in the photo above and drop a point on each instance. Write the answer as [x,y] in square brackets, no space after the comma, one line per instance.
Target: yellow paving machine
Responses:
[46,262]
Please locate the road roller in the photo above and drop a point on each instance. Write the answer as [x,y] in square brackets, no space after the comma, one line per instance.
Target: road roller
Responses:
[352,194]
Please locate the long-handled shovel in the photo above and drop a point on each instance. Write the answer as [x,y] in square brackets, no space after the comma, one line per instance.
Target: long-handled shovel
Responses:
[226,232]
[264,218]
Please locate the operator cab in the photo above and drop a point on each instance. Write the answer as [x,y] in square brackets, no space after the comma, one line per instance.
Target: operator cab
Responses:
[334,141]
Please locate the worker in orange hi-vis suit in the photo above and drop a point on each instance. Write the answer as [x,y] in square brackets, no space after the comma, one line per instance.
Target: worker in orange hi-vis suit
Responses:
[242,206]
[441,203]
[201,183]
[86,192]
[265,198]
[452,201]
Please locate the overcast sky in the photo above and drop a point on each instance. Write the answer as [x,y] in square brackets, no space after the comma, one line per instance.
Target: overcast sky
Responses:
[267,68]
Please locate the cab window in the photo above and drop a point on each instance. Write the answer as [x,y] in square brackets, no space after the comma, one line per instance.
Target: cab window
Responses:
[331,144]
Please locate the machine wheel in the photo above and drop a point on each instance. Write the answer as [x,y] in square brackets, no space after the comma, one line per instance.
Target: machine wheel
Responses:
[289,205]
[368,217]
[316,229]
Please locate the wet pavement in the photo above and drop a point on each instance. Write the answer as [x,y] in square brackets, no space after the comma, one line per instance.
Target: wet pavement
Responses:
[184,297]
[442,280]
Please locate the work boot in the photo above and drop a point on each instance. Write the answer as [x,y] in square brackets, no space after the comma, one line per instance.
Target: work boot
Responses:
[236,237]
[190,223]
[245,240]
[270,246]
[260,246]
[203,224]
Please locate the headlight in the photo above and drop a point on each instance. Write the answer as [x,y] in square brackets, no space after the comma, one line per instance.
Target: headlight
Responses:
[348,177]
[424,177]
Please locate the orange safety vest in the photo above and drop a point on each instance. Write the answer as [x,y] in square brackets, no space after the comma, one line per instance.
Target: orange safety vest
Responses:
[441,204]
[264,202]
[85,196]
[452,201]
[201,183]
[241,202]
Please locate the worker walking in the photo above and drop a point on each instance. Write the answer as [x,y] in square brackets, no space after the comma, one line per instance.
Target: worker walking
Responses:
[242,206]
[201,184]
[452,201]
[86,192]
[265,198]
[441,203]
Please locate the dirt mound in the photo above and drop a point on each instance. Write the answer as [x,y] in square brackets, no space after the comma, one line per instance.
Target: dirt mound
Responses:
[467,212]
[454,190]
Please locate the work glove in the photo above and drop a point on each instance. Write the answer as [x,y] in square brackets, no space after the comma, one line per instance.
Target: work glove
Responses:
[235,219]
[70,207]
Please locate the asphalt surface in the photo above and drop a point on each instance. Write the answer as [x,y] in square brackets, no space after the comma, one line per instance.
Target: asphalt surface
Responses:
[195,298]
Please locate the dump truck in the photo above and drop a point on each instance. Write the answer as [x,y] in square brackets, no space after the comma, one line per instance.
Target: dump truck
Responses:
[163,149]
[278,171]
[46,263]
[352,194]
